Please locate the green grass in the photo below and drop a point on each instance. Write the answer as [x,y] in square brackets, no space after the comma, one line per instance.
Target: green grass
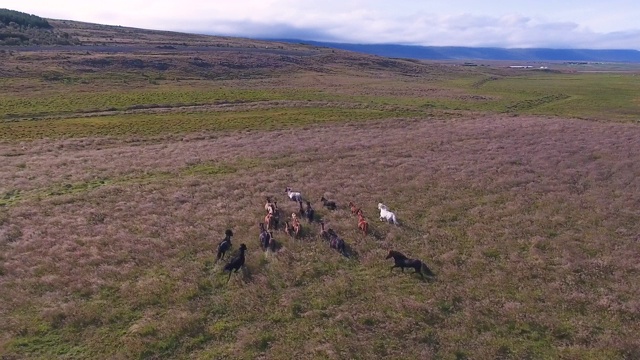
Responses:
[591,96]
[70,101]
[606,97]
[177,123]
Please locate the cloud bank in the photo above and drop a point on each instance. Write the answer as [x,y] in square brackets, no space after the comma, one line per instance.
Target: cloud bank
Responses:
[586,24]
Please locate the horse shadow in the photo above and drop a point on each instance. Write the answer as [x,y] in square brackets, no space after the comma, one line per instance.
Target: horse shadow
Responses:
[244,275]
[209,265]
[376,234]
[274,246]
[425,279]
[247,274]
[349,252]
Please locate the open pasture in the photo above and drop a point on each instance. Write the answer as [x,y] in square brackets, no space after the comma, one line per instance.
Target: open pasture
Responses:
[519,190]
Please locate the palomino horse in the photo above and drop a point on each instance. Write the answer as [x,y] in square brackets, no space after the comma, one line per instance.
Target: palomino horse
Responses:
[268,206]
[271,207]
[402,262]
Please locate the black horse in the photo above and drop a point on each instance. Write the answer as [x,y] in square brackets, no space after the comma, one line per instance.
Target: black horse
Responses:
[236,263]
[402,262]
[309,212]
[331,205]
[224,245]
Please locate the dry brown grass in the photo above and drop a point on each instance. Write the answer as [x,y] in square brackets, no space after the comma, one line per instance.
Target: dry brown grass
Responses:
[531,225]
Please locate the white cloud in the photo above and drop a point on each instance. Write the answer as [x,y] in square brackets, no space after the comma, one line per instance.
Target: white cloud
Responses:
[545,23]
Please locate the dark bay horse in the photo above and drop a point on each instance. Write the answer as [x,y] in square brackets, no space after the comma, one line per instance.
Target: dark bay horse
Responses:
[265,238]
[336,242]
[402,262]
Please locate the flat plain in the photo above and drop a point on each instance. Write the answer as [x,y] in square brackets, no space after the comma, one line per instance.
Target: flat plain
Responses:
[123,161]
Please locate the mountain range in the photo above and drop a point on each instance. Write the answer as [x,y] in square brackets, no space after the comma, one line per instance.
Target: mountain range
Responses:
[481,53]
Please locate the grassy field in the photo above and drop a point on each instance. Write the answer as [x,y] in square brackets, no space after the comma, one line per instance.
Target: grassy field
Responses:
[519,189]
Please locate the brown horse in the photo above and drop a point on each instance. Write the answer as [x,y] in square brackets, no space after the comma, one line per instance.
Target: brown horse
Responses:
[270,221]
[363,225]
[354,208]
[288,228]
[324,234]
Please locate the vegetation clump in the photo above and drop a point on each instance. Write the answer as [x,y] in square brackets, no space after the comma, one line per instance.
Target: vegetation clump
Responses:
[23,19]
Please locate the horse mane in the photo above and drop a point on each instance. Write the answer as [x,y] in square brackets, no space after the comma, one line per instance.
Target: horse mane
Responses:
[396,255]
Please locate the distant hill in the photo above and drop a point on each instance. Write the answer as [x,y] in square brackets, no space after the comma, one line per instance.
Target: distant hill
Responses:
[18,28]
[469,53]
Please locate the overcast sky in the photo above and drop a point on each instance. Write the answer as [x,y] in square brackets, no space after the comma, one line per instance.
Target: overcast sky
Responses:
[593,24]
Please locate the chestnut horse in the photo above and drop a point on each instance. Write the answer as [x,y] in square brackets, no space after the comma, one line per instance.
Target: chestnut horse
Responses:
[354,208]
[295,224]
[324,234]
[270,221]
[363,225]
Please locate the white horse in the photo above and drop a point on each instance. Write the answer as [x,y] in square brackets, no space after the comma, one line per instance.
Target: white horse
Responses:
[386,215]
[294,196]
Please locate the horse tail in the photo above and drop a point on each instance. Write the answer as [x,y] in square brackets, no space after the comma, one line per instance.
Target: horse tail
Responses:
[425,269]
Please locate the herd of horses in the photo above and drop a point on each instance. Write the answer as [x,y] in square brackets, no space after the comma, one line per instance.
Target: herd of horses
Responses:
[275,219]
